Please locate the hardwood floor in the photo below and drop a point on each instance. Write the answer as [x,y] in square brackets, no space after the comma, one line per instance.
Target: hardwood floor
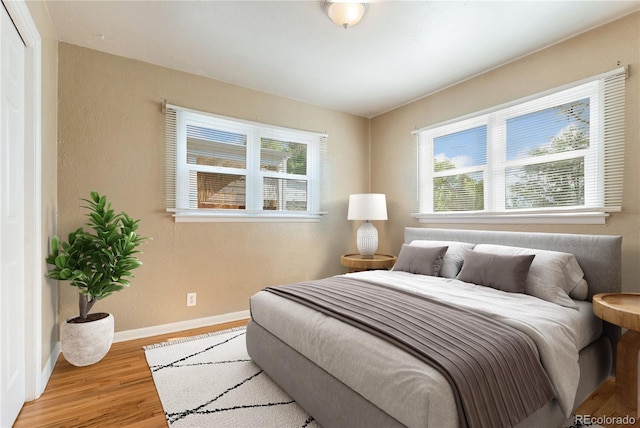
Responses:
[602,403]
[119,391]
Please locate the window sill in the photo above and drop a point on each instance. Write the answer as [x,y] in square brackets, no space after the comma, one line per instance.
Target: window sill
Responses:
[528,218]
[245,217]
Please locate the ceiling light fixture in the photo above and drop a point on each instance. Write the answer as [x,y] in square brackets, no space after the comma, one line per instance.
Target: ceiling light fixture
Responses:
[345,14]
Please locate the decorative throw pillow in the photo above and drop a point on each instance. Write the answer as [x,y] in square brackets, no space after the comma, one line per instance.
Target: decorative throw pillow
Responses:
[420,260]
[506,273]
[553,274]
[453,258]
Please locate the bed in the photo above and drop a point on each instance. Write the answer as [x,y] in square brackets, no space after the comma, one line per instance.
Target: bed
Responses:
[347,376]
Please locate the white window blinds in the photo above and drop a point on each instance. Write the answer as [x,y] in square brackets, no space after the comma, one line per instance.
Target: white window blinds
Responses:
[558,152]
[223,167]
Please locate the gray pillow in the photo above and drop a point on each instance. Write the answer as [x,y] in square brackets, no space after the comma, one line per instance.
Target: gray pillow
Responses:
[553,275]
[453,258]
[506,273]
[420,260]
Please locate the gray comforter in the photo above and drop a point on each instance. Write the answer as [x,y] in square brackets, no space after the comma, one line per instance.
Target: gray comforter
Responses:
[493,369]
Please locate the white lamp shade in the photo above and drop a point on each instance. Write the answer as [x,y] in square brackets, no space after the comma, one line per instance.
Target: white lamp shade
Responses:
[367,206]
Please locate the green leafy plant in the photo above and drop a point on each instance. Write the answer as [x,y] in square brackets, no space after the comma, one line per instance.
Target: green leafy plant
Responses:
[99,262]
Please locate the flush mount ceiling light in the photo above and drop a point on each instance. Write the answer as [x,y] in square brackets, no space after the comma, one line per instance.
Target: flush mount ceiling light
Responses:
[345,14]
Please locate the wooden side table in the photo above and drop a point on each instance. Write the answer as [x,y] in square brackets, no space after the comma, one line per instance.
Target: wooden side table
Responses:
[357,263]
[623,309]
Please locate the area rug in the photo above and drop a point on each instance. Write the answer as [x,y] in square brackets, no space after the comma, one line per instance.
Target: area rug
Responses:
[210,381]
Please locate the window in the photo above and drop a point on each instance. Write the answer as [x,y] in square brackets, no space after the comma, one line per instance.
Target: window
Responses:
[220,168]
[557,155]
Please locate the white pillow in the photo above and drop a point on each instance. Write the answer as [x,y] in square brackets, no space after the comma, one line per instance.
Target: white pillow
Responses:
[453,258]
[581,291]
[553,275]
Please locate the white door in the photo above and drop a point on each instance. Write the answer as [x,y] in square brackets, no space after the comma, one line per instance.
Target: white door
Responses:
[12,223]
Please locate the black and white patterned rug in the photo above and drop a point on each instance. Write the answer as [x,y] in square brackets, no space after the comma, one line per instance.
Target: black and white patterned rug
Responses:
[210,381]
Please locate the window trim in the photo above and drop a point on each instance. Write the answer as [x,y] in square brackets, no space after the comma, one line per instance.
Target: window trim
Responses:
[177,169]
[514,218]
[596,214]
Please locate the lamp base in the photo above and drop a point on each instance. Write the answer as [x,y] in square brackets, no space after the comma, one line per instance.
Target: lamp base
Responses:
[367,240]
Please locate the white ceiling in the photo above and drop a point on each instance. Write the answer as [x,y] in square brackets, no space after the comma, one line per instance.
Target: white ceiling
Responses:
[400,51]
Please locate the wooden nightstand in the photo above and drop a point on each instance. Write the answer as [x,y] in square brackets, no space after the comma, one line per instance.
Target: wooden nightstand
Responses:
[623,309]
[357,263]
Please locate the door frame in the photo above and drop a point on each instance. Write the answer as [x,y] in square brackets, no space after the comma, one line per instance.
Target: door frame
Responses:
[34,262]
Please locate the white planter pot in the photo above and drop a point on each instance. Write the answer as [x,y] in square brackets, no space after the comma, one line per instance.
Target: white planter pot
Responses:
[87,343]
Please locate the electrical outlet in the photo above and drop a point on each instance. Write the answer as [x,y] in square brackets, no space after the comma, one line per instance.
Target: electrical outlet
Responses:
[191,299]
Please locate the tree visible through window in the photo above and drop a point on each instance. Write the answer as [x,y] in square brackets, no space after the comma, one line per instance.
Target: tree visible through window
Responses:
[558,183]
[458,164]
[561,151]
[284,159]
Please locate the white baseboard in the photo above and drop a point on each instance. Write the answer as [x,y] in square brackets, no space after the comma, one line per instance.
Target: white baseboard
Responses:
[47,370]
[140,333]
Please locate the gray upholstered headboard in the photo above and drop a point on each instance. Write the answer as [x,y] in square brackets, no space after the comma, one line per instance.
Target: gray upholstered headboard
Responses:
[600,256]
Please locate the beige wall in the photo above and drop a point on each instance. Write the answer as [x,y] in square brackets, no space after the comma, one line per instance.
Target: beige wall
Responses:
[49,48]
[111,139]
[597,51]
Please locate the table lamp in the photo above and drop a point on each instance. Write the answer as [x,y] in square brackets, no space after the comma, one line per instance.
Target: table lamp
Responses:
[367,207]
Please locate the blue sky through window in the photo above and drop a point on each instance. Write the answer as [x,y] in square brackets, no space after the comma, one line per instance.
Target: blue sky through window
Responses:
[538,129]
[463,148]
[524,133]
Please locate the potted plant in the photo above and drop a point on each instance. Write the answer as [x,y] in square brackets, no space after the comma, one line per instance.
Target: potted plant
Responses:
[99,263]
